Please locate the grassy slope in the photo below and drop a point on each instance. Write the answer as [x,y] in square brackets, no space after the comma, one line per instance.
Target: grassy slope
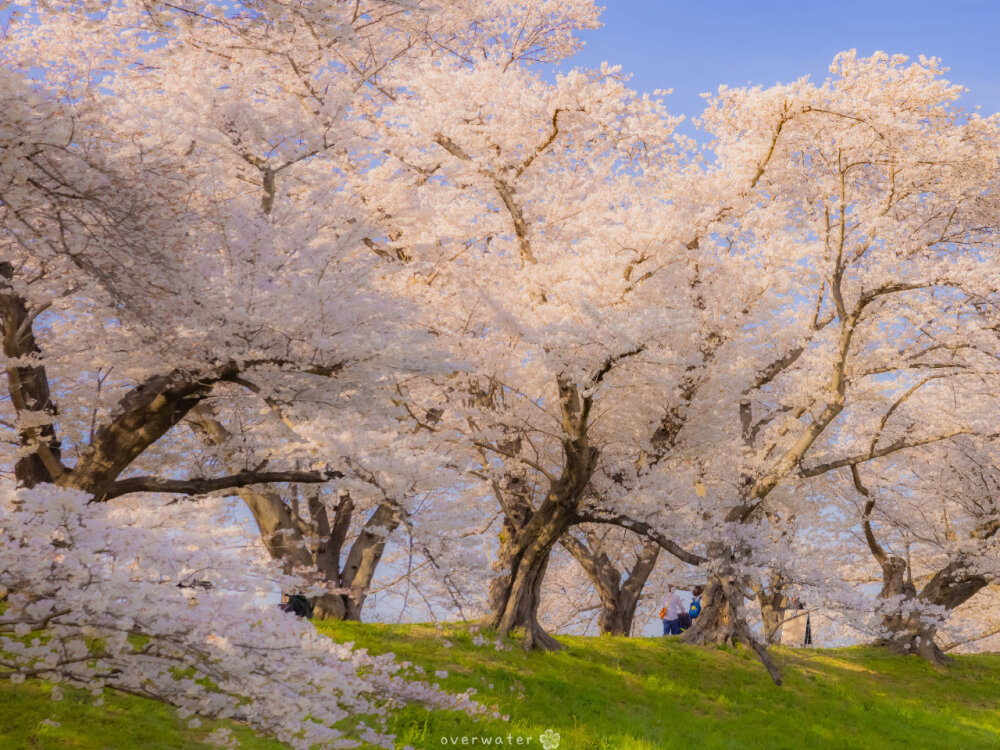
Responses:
[626,694]
[122,723]
[653,693]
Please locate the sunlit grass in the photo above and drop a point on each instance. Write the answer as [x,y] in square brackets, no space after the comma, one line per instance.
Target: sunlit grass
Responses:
[31,720]
[652,693]
[602,694]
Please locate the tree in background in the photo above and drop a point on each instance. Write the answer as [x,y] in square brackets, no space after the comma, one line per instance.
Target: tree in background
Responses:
[383,275]
[155,258]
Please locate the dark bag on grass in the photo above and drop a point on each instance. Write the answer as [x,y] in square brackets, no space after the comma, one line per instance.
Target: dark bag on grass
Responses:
[685,620]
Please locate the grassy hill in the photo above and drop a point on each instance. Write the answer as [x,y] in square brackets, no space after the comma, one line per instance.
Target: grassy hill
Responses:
[603,694]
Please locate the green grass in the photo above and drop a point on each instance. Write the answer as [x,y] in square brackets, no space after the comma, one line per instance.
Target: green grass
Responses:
[31,720]
[606,694]
[654,693]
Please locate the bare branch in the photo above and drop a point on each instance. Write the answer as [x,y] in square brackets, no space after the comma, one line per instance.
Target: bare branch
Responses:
[955,644]
[876,549]
[614,359]
[596,515]
[504,190]
[199,486]
[541,149]
[901,444]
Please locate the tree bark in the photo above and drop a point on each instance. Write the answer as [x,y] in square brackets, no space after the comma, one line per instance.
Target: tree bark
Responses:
[631,590]
[529,535]
[718,621]
[284,534]
[364,557]
[515,595]
[285,541]
[906,633]
[773,603]
[141,418]
[950,587]
[28,386]
[618,599]
[722,619]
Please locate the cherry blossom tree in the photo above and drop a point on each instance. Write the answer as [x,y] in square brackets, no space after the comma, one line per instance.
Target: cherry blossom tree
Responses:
[619,591]
[888,234]
[536,183]
[94,603]
[363,266]
[937,522]
[156,260]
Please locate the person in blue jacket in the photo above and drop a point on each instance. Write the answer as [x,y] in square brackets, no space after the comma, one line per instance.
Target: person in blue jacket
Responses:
[695,609]
[687,618]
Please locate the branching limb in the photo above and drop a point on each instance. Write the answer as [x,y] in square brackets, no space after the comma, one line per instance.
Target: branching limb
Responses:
[205,486]
[643,529]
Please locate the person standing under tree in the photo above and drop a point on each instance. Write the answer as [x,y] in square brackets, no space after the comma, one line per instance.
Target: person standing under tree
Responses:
[695,609]
[671,613]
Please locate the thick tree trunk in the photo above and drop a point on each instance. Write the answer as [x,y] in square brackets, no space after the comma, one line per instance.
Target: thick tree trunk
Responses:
[895,584]
[722,619]
[333,607]
[524,600]
[618,600]
[606,579]
[283,532]
[362,560]
[773,603]
[530,535]
[773,617]
[911,636]
[631,589]
[515,595]
[614,619]
[28,386]
[365,556]
[907,633]
[508,553]
[719,621]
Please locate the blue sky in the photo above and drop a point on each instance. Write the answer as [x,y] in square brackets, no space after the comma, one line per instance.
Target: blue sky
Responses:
[692,47]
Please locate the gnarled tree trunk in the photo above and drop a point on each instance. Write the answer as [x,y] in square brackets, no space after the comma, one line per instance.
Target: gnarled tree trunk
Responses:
[949,587]
[529,535]
[515,595]
[719,621]
[773,603]
[618,599]
[906,633]
[285,534]
[723,618]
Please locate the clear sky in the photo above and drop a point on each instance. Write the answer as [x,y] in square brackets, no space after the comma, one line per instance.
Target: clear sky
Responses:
[692,47]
